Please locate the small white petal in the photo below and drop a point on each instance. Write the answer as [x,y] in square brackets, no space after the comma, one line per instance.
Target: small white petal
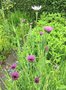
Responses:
[36,8]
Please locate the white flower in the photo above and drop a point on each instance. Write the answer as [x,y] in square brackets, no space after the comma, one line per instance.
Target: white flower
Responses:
[36,8]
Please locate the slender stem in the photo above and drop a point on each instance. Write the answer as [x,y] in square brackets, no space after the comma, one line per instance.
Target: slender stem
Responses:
[4,84]
[30,28]
[18,43]
[14,85]
[36,16]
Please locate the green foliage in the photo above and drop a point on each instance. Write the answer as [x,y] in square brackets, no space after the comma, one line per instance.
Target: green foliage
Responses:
[4,42]
[47,5]
[17,17]
[46,64]
[8,40]
[52,76]
[1,15]
[56,39]
[7,4]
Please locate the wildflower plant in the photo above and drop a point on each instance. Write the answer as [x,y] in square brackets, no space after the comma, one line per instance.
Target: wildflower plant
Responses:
[10,78]
[36,9]
[33,61]
[38,73]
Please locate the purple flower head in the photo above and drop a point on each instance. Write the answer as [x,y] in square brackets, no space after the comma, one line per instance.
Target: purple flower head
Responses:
[13,66]
[48,28]
[41,33]
[15,75]
[30,58]
[36,80]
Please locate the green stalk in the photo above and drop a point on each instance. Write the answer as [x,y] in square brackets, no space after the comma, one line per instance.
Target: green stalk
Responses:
[30,28]
[4,84]
[36,16]
[14,85]
[17,38]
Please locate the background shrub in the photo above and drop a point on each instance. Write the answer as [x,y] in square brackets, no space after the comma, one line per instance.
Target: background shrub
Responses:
[47,5]
[56,39]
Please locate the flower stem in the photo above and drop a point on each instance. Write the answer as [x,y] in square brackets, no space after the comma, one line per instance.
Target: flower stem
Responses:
[4,84]
[17,38]
[36,17]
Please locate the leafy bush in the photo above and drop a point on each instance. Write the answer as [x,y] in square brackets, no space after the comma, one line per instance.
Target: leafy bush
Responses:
[48,5]
[5,45]
[7,4]
[56,39]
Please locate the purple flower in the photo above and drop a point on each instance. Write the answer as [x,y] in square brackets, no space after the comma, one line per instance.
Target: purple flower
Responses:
[37,80]
[15,75]
[48,28]
[13,66]
[41,33]
[30,58]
